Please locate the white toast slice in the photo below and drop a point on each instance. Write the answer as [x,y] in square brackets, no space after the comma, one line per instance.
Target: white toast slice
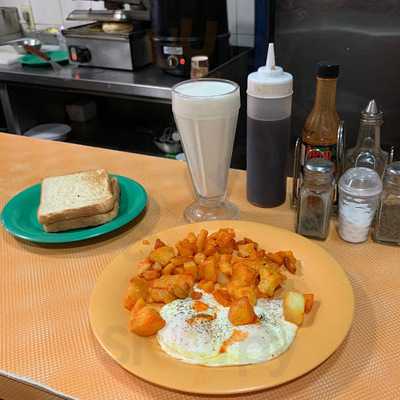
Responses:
[76,195]
[85,222]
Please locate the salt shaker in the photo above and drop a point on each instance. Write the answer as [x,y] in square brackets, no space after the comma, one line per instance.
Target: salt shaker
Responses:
[359,191]
[387,228]
[315,203]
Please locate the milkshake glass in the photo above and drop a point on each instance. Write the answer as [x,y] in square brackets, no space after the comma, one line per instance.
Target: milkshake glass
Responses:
[206,113]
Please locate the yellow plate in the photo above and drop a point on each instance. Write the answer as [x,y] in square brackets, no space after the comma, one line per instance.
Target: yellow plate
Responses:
[323,331]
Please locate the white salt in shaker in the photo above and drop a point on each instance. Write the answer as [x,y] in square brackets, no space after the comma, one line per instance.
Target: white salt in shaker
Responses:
[359,191]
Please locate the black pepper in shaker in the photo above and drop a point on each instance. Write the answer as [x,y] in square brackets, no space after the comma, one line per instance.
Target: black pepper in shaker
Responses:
[387,227]
[315,203]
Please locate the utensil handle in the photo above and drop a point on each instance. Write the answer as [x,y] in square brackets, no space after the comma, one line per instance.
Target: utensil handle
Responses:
[36,52]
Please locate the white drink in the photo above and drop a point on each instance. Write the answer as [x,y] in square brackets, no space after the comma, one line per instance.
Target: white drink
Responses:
[206,113]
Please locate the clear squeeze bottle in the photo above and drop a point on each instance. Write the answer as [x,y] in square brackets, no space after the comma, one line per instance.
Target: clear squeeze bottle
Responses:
[269,109]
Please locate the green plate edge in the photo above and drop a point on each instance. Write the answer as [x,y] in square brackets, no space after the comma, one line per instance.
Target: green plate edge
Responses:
[133,201]
[58,56]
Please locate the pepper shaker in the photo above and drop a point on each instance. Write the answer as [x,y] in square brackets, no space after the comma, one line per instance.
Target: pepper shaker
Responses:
[359,191]
[316,195]
[387,228]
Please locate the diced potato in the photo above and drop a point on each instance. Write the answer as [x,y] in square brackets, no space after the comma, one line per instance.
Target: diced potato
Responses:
[210,248]
[167,270]
[248,292]
[199,306]
[159,243]
[146,322]
[242,275]
[162,255]
[138,288]
[178,270]
[156,267]
[226,268]
[191,237]
[161,295]
[150,275]
[222,278]
[308,302]
[169,281]
[290,263]
[241,312]
[145,264]
[138,305]
[208,270]
[245,250]
[191,268]
[196,295]
[180,260]
[199,258]
[186,249]
[207,286]
[201,240]
[270,280]
[225,239]
[223,297]
[181,291]
[276,257]
[294,307]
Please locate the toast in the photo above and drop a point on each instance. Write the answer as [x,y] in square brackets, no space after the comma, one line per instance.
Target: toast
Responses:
[85,222]
[82,194]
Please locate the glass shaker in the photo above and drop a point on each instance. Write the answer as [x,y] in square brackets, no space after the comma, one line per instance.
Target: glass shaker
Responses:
[359,191]
[315,203]
[368,152]
[387,228]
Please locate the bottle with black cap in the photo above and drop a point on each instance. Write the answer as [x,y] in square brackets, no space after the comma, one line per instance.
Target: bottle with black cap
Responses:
[320,131]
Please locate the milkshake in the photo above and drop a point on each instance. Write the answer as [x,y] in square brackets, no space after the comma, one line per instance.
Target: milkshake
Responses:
[206,113]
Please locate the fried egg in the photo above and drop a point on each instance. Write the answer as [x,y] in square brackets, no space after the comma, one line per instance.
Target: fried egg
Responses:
[205,336]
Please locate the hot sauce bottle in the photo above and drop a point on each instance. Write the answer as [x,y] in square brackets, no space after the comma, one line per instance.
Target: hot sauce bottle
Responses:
[320,131]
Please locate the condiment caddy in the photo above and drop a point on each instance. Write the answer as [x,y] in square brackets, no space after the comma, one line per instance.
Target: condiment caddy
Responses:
[351,185]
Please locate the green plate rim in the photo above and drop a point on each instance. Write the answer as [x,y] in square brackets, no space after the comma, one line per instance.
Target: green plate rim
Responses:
[84,233]
[34,61]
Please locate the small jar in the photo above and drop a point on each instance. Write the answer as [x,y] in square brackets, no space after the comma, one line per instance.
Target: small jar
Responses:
[315,199]
[199,67]
[359,191]
[387,228]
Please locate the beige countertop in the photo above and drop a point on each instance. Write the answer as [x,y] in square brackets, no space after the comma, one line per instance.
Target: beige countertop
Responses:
[47,338]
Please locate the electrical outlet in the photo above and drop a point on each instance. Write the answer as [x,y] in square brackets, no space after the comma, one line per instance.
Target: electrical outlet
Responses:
[27,16]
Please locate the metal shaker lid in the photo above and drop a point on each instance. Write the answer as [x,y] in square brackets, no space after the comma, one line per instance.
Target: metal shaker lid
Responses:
[371,114]
[319,166]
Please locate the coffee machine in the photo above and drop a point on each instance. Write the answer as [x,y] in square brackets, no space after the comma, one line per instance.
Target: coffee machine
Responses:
[186,28]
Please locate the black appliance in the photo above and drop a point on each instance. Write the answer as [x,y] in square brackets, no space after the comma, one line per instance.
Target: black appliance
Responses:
[186,28]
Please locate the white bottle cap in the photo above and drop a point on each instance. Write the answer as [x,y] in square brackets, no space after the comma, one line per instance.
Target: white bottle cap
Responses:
[270,81]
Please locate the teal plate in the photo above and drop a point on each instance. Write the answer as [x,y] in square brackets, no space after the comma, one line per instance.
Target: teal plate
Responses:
[32,60]
[19,215]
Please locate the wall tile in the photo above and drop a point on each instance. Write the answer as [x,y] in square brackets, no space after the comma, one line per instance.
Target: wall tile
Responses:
[245,17]
[47,12]
[232,15]
[245,40]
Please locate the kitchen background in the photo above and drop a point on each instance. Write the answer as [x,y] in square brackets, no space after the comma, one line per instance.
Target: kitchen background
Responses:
[362,36]
[54,13]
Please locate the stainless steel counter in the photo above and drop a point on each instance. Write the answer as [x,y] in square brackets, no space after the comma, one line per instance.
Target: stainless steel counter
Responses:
[148,82]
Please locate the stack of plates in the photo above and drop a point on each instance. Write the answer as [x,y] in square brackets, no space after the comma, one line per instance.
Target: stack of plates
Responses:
[57,132]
